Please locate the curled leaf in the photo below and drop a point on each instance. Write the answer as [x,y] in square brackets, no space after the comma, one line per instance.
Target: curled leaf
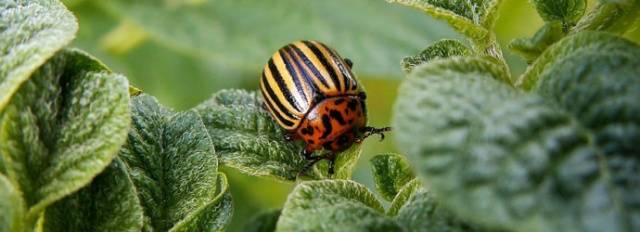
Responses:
[390,172]
[173,165]
[593,41]
[473,18]
[531,48]
[109,203]
[568,12]
[486,147]
[62,127]
[441,49]
[31,32]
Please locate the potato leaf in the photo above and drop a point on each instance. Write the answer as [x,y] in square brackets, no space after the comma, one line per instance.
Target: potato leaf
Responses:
[248,139]
[174,168]
[109,203]
[616,16]
[473,18]
[333,205]
[531,48]
[31,31]
[608,88]
[567,12]
[344,205]
[417,210]
[486,147]
[12,208]
[391,172]
[441,49]
[62,127]
[594,41]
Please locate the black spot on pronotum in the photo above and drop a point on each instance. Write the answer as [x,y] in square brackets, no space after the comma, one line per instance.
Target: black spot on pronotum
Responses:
[326,122]
[337,116]
[307,130]
[339,101]
[352,104]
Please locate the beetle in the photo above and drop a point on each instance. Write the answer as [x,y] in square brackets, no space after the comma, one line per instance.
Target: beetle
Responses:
[311,92]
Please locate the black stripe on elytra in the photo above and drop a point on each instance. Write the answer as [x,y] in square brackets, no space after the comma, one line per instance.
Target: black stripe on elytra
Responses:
[294,75]
[337,116]
[312,67]
[275,74]
[326,122]
[325,63]
[340,63]
[281,107]
[302,71]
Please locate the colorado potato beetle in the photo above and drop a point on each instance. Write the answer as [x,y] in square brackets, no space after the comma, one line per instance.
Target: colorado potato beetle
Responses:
[312,93]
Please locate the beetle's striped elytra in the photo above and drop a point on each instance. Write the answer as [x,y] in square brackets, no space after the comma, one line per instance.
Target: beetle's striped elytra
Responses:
[312,93]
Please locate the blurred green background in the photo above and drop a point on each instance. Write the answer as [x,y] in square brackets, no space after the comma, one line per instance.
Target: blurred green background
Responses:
[182,51]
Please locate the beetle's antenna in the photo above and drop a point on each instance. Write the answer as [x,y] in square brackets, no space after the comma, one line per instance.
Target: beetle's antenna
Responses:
[368,131]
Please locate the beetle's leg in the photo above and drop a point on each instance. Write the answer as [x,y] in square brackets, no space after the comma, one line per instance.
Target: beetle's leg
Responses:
[332,164]
[313,160]
[368,131]
[348,62]
[263,105]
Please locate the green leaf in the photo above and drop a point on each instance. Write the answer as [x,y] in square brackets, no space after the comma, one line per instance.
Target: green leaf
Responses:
[486,147]
[31,31]
[248,139]
[109,203]
[441,49]
[209,30]
[263,222]
[390,172]
[531,48]
[12,208]
[592,41]
[62,127]
[343,205]
[417,210]
[608,88]
[473,18]
[333,205]
[567,12]
[610,16]
[173,165]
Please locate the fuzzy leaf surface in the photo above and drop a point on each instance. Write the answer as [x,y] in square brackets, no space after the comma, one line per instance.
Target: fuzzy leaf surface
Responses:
[473,18]
[248,139]
[441,49]
[531,48]
[492,148]
[391,173]
[109,203]
[567,12]
[173,165]
[31,31]
[62,127]
[588,40]
[615,16]
[417,210]
[333,205]
[12,208]
[601,90]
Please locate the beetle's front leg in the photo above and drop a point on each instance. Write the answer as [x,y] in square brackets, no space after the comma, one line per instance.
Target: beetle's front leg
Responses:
[368,131]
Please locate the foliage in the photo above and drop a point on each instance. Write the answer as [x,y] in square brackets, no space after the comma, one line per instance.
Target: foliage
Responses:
[554,149]
[552,153]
